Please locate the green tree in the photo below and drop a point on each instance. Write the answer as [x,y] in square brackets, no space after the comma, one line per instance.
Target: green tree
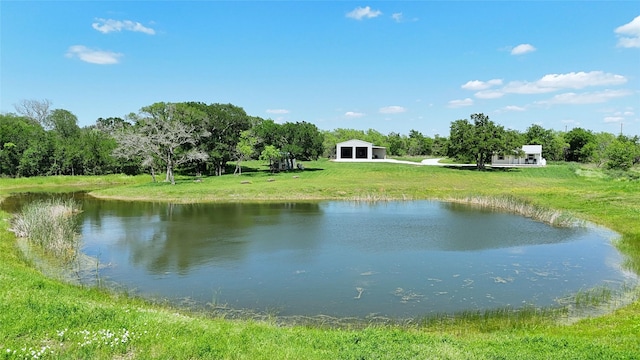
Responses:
[553,144]
[581,145]
[480,140]
[67,154]
[397,144]
[224,123]
[270,153]
[600,152]
[17,134]
[620,155]
[418,144]
[97,152]
[302,140]
[440,145]
[244,149]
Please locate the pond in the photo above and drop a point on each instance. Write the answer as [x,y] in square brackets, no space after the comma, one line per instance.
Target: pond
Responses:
[344,259]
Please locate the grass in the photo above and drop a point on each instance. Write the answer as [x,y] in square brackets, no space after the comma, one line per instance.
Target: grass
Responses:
[50,225]
[513,205]
[45,318]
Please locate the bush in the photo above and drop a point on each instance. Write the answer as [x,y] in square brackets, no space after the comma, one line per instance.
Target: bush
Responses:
[51,225]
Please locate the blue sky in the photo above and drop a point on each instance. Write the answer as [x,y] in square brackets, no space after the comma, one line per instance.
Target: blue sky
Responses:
[390,66]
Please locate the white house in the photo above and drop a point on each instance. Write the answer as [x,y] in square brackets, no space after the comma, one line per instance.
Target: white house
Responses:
[359,150]
[532,157]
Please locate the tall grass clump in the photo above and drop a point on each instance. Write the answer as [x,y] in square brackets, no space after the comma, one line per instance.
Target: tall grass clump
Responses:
[513,205]
[50,225]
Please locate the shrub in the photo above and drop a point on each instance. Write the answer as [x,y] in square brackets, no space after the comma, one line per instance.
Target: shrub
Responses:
[51,225]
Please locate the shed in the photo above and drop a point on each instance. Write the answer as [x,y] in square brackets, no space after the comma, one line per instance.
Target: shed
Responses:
[359,150]
[532,157]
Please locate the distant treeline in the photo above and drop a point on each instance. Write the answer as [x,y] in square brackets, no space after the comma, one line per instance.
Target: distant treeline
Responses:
[198,138]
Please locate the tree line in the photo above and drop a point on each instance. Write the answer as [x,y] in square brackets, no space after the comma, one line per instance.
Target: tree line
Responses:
[477,139]
[198,138]
[190,137]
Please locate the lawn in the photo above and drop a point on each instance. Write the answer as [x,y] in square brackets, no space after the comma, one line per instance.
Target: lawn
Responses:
[46,318]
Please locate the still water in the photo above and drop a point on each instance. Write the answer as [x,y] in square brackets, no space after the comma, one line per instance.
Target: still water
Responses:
[395,259]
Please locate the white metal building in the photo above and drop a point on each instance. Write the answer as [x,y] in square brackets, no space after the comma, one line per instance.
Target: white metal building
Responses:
[359,150]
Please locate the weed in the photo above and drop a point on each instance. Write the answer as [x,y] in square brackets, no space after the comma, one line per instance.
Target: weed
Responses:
[51,225]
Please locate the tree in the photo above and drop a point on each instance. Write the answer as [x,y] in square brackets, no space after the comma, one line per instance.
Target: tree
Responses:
[270,153]
[620,155]
[67,155]
[581,145]
[224,123]
[17,135]
[440,145]
[397,144]
[301,140]
[159,135]
[602,142]
[480,140]
[553,143]
[37,110]
[418,144]
[244,149]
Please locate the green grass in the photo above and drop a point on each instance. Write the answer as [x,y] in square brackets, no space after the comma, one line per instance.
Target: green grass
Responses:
[71,321]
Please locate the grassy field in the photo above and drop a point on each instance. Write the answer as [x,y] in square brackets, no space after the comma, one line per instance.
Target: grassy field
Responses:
[45,318]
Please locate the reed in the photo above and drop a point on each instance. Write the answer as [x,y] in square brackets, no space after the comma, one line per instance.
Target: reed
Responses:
[50,225]
[517,206]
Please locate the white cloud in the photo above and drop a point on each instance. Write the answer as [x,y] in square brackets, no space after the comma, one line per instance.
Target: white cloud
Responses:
[397,17]
[106,26]
[523,87]
[585,98]
[353,114]
[392,110]
[481,85]
[629,34]
[579,80]
[460,103]
[489,94]
[277,111]
[360,13]
[93,56]
[523,49]
[513,108]
[556,82]
[613,119]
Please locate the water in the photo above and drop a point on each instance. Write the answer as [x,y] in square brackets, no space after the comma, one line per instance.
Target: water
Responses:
[394,259]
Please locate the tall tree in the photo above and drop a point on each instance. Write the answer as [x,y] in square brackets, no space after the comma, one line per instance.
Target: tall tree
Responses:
[17,135]
[67,155]
[480,140]
[224,123]
[397,144]
[553,144]
[244,149]
[159,136]
[37,110]
[301,140]
[581,145]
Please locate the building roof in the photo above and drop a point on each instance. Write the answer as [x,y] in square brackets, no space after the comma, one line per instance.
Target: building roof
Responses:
[354,142]
[532,149]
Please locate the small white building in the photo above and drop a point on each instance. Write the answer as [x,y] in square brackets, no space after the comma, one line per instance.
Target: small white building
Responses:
[359,150]
[532,157]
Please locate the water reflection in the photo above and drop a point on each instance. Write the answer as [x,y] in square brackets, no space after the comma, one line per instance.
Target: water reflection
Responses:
[180,237]
[399,259]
